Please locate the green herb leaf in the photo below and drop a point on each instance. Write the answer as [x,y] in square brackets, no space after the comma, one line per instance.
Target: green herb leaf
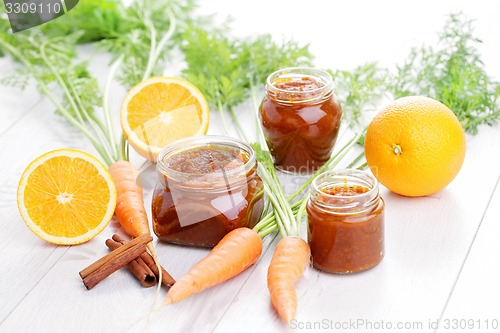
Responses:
[266,56]
[83,86]
[147,22]
[216,65]
[25,48]
[452,73]
[95,19]
[360,90]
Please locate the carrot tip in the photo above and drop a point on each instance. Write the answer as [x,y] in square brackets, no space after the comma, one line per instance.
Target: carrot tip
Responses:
[287,318]
[167,301]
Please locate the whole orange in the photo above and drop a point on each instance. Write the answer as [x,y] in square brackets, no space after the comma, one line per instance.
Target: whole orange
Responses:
[415,146]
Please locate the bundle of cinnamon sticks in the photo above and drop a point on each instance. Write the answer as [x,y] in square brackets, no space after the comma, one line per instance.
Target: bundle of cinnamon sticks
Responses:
[133,254]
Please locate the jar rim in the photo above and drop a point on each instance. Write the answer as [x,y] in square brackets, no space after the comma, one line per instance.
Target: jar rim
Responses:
[319,74]
[348,202]
[189,143]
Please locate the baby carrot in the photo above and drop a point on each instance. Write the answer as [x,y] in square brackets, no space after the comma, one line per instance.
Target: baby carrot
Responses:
[237,251]
[290,259]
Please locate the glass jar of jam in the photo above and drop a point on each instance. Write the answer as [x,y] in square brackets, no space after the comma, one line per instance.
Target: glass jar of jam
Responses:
[300,117]
[346,221]
[208,186]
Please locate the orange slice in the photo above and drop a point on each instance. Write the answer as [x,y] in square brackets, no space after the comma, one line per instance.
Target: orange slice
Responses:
[161,110]
[66,196]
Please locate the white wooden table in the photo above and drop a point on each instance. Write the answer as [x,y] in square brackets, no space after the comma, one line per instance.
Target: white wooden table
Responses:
[442,260]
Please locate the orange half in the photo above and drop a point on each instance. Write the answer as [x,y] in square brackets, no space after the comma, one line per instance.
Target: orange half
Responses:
[161,110]
[66,196]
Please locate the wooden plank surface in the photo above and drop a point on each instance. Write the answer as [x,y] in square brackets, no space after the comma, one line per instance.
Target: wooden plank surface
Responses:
[14,106]
[474,305]
[21,251]
[427,241]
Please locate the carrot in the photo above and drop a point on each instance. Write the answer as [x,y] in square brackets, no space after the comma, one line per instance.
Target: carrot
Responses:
[129,208]
[290,259]
[237,251]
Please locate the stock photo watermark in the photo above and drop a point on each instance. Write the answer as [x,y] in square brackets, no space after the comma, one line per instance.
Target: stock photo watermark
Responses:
[26,14]
[363,324]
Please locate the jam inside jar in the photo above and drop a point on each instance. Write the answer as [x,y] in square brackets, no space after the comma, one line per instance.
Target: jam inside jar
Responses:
[208,186]
[300,117]
[346,221]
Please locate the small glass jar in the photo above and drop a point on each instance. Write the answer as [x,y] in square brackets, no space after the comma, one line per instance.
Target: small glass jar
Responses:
[300,117]
[208,186]
[346,221]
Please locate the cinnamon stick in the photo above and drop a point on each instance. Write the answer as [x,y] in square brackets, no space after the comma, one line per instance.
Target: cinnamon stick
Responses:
[113,261]
[166,279]
[137,267]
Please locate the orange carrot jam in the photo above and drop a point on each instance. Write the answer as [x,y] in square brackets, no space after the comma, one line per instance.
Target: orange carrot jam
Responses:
[345,239]
[300,117]
[206,192]
[345,191]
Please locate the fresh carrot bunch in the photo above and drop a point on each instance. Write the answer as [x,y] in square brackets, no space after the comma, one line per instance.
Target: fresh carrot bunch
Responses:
[242,247]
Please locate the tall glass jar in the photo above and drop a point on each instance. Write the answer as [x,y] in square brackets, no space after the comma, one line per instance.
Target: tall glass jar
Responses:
[346,221]
[300,117]
[208,186]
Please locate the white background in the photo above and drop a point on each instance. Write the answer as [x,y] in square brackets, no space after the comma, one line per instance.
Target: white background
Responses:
[442,250]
